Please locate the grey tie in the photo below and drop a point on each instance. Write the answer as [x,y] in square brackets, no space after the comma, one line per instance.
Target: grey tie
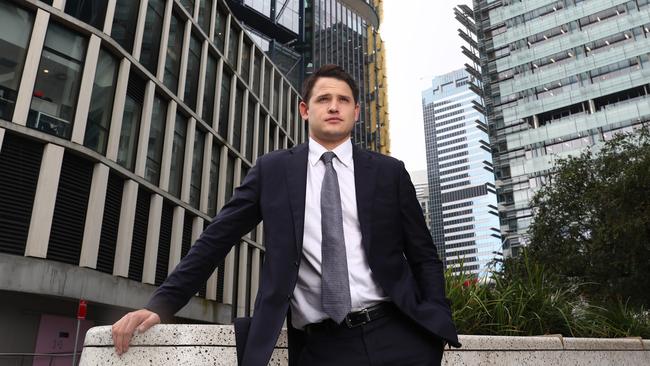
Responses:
[335,286]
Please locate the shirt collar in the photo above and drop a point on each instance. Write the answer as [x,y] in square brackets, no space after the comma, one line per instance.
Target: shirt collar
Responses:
[343,152]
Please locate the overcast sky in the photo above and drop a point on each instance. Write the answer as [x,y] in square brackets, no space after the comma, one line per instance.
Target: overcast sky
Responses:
[421,41]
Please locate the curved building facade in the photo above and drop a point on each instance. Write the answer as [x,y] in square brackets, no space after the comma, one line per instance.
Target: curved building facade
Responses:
[124,128]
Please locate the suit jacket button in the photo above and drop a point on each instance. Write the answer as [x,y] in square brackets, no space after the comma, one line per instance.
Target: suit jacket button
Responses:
[295,263]
[289,297]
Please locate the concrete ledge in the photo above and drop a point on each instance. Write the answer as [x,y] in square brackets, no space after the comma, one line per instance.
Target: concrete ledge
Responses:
[204,345]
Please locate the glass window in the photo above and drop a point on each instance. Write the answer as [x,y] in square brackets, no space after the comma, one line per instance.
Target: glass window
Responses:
[197,168]
[192,79]
[277,97]
[274,129]
[188,5]
[131,122]
[101,103]
[15,32]
[261,134]
[236,125]
[250,128]
[268,69]
[210,86]
[156,138]
[224,102]
[178,155]
[91,12]
[233,46]
[230,177]
[257,69]
[205,9]
[174,49]
[214,178]
[246,62]
[151,37]
[124,22]
[288,15]
[56,90]
[263,6]
[220,29]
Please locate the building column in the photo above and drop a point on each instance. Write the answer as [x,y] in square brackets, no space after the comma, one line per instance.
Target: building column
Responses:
[205,175]
[242,291]
[94,217]
[87,81]
[592,106]
[38,236]
[202,71]
[32,60]
[153,238]
[139,30]
[2,137]
[110,15]
[145,127]
[182,70]
[255,277]
[535,121]
[229,264]
[189,154]
[125,229]
[176,244]
[118,110]
[168,143]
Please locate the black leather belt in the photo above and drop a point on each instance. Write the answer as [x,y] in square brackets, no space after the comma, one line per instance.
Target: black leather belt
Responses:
[355,318]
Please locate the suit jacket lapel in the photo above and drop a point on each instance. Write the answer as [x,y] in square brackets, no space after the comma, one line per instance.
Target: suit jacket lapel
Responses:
[297,183]
[364,180]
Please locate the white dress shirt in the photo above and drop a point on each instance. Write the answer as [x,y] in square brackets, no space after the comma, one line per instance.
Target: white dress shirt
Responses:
[364,291]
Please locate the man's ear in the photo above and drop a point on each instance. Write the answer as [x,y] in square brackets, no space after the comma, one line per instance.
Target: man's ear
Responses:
[357,112]
[304,110]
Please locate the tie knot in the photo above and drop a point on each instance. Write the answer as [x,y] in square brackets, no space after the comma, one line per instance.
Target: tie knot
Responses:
[327,157]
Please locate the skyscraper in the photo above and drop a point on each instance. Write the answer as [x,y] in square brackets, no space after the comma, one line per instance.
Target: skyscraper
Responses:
[421,185]
[462,198]
[301,36]
[557,77]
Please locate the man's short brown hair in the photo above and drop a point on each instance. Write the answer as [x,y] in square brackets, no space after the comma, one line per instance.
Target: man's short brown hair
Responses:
[329,71]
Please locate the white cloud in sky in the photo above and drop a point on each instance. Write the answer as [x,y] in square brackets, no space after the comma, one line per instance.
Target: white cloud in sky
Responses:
[421,41]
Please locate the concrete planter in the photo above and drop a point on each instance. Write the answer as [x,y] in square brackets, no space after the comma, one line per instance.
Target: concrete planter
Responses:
[203,345]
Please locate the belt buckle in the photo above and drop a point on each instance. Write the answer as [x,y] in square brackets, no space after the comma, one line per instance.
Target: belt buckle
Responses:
[367,320]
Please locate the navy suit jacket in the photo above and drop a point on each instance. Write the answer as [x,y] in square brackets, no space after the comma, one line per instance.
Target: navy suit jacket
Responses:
[395,238]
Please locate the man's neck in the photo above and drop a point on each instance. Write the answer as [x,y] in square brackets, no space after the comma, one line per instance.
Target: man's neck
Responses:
[330,145]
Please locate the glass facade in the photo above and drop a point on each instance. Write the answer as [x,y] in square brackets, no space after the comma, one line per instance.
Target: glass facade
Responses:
[57,84]
[301,36]
[101,103]
[558,77]
[145,149]
[15,28]
[462,199]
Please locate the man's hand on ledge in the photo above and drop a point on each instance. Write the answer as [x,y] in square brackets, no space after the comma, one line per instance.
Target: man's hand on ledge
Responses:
[136,321]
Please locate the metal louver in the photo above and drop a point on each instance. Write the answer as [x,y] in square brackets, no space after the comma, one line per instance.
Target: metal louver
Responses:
[20,161]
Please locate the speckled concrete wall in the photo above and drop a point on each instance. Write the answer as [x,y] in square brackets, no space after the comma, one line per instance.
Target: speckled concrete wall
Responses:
[203,345]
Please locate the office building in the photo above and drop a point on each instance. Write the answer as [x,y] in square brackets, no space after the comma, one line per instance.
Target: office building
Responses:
[421,185]
[557,77]
[301,36]
[462,199]
[124,128]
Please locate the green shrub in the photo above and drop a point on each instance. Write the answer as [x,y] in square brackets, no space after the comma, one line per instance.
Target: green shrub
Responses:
[522,298]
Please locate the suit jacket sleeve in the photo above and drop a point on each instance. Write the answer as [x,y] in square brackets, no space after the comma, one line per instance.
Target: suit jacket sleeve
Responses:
[419,248]
[238,217]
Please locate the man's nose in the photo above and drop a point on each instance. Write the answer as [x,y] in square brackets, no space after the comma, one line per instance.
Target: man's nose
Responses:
[333,107]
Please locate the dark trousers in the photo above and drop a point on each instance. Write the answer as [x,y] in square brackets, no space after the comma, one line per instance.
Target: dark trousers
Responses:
[393,340]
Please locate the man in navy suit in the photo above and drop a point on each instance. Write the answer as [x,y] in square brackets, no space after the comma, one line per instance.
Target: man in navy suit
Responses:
[349,260]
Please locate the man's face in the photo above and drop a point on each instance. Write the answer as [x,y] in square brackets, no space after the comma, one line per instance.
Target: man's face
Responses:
[331,112]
